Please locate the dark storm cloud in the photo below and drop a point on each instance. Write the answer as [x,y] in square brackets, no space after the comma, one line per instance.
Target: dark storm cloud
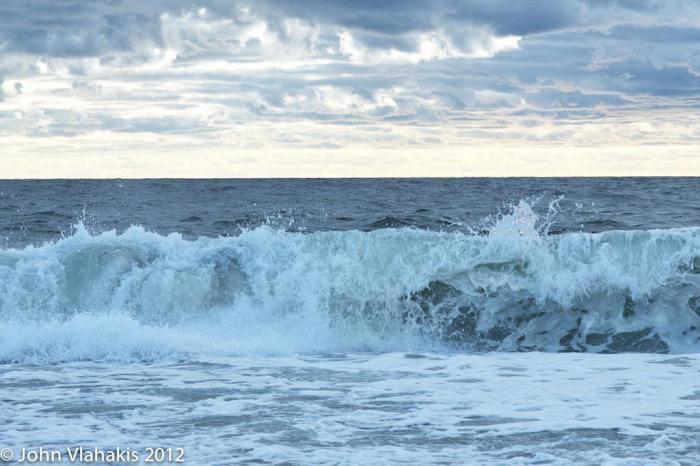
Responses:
[91,28]
[519,18]
[395,17]
[390,17]
[75,29]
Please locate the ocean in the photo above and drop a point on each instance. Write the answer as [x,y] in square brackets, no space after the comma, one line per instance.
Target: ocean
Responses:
[353,321]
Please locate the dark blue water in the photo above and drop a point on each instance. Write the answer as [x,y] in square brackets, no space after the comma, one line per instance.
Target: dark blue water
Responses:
[35,211]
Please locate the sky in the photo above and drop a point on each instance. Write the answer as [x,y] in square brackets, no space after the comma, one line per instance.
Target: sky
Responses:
[315,88]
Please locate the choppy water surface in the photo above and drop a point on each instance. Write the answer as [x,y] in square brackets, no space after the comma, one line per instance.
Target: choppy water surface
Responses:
[518,321]
[394,408]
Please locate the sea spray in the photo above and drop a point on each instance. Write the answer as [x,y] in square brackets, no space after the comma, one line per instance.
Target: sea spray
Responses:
[140,295]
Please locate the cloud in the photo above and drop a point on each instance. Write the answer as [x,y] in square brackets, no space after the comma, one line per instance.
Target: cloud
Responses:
[331,73]
[75,29]
[519,18]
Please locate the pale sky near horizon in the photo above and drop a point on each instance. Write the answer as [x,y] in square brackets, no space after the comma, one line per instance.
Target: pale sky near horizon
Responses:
[269,88]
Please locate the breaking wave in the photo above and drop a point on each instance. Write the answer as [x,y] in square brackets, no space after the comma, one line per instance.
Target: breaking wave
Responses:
[141,296]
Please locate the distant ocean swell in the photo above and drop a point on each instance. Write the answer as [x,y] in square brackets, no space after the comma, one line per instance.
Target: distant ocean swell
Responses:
[142,296]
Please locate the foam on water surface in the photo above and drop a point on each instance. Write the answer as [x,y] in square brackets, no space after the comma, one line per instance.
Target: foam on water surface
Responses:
[141,295]
[365,339]
[392,408]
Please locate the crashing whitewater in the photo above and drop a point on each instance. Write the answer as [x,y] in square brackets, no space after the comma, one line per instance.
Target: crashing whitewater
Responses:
[139,295]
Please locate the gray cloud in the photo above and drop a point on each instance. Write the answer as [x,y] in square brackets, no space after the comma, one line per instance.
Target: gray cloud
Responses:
[480,69]
[75,29]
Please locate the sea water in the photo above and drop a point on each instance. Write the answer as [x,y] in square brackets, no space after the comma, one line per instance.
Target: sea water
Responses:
[469,321]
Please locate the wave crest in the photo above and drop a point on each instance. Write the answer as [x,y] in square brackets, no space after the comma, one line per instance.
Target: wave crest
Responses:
[269,290]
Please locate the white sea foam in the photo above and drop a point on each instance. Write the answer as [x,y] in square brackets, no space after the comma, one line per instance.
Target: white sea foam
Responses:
[140,295]
[496,408]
